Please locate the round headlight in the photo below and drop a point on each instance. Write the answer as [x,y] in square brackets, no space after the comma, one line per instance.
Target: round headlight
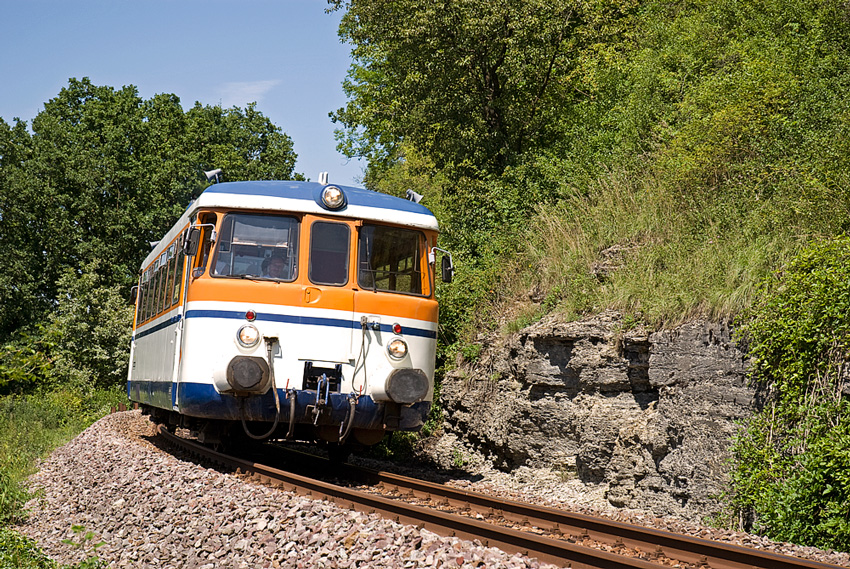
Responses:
[332,197]
[397,348]
[248,335]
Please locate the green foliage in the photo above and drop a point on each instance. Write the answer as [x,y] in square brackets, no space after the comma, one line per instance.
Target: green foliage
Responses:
[24,362]
[473,84]
[13,496]
[793,456]
[103,173]
[397,446]
[30,427]
[84,541]
[20,552]
[89,330]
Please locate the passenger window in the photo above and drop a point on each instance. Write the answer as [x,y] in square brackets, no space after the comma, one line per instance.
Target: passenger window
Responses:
[329,246]
[257,246]
[178,279]
[148,294]
[163,293]
[172,262]
[172,265]
[157,295]
[390,259]
[140,306]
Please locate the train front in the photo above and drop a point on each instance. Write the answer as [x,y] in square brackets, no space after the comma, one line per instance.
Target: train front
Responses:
[310,313]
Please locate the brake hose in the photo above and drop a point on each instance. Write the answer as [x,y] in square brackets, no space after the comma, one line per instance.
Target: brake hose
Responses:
[270,342]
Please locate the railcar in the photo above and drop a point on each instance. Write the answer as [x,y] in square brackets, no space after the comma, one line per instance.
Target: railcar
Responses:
[283,309]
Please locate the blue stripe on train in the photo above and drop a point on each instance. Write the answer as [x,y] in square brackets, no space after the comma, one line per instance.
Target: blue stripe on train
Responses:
[284,318]
[161,326]
[202,400]
[308,320]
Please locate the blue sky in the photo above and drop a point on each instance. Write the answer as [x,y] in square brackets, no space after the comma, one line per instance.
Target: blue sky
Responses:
[283,54]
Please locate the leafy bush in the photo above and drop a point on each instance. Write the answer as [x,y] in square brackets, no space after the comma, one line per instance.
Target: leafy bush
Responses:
[25,363]
[89,331]
[792,468]
[30,427]
[13,496]
[20,552]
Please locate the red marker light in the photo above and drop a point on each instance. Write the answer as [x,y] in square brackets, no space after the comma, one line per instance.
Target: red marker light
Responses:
[396,328]
[250,316]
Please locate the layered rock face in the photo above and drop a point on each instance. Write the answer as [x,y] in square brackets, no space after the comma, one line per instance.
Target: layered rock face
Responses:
[650,415]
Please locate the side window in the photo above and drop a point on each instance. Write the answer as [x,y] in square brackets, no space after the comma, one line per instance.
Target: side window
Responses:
[391,259]
[151,310]
[157,289]
[140,301]
[168,276]
[329,246]
[163,282]
[178,279]
[148,293]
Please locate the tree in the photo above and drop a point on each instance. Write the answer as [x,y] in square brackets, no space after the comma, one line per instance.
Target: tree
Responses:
[18,254]
[103,173]
[471,84]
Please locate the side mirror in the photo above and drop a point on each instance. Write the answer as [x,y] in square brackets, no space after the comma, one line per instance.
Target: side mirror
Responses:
[134,294]
[447,270]
[193,239]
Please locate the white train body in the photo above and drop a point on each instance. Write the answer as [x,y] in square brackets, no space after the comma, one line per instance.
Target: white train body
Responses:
[303,306]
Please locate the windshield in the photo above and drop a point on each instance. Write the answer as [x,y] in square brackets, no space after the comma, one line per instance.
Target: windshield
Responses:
[391,259]
[257,245]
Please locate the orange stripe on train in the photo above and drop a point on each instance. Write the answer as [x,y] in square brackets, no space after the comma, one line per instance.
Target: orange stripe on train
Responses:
[311,296]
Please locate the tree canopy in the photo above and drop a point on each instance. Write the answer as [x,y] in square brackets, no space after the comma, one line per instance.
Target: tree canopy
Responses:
[473,84]
[102,174]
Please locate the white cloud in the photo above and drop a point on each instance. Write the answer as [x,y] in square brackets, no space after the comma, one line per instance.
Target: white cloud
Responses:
[241,93]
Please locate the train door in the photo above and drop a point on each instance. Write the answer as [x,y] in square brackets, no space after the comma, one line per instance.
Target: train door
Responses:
[196,265]
[327,298]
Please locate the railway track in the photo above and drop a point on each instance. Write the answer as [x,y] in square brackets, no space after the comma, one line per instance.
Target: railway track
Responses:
[549,534]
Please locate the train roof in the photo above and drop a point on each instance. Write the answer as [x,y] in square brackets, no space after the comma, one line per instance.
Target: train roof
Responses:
[302,197]
[305,197]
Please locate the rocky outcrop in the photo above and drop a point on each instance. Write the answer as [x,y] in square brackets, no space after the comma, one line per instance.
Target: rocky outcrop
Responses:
[650,415]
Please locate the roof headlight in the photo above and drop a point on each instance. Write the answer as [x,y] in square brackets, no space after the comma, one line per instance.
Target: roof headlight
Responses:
[332,197]
[397,348]
[248,336]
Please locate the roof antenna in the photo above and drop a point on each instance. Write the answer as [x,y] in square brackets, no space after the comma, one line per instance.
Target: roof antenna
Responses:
[323,178]
[213,176]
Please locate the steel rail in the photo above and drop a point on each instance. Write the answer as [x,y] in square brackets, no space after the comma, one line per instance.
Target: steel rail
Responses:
[546,549]
[687,549]
[714,554]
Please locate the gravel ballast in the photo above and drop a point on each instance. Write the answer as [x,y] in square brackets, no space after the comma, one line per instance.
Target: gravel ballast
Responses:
[155,509]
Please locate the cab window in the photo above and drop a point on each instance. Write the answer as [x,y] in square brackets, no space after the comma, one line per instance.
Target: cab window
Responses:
[257,246]
[206,221]
[390,259]
[329,246]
